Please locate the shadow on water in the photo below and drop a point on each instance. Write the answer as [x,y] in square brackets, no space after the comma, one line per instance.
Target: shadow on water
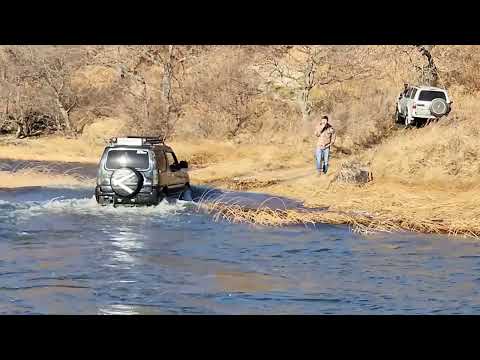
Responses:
[251,200]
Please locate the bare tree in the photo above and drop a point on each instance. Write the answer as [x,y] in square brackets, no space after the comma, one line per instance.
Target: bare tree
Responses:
[429,71]
[157,103]
[23,102]
[238,101]
[224,93]
[23,113]
[56,73]
[48,71]
[172,70]
[426,74]
[302,68]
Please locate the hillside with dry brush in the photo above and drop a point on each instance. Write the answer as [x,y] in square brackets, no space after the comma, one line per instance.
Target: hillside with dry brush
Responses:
[242,116]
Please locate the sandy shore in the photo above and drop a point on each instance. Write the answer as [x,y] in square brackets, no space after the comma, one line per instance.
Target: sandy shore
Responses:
[23,179]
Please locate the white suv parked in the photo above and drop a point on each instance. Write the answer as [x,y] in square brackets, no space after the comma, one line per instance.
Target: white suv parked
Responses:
[422,103]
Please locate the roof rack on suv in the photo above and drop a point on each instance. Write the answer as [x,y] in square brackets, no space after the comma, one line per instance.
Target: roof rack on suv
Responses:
[137,140]
[148,139]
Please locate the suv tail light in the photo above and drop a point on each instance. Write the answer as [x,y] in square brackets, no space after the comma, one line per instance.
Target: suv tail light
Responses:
[414,107]
[104,178]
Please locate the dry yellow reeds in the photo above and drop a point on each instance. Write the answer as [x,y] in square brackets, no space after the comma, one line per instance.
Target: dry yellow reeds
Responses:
[232,210]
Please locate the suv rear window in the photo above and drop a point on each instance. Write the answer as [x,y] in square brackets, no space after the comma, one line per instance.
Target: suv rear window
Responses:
[137,159]
[429,95]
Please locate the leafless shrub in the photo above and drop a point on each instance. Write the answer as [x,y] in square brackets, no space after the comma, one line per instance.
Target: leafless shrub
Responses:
[226,96]
[304,68]
[39,86]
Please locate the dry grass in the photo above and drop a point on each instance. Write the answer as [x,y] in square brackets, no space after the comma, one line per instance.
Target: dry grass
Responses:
[392,205]
[201,153]
[240,160]
[371,216]
[244,183]
[443,154]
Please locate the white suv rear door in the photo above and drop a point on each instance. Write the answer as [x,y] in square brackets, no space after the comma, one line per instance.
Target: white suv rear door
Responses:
[424,100]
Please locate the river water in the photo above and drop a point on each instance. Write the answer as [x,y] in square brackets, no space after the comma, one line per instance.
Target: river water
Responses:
[60,253]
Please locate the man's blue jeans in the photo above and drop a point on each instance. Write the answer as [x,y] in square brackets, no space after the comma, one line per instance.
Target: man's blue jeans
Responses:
[322,155]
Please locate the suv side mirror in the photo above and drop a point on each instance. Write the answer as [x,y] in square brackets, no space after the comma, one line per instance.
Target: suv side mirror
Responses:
[183,164]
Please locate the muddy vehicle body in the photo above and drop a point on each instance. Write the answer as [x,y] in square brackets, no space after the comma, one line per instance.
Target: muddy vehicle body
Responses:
[421,104]
[140,171]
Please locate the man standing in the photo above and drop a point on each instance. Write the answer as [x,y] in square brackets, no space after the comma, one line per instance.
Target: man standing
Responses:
[404,91]
[326,138]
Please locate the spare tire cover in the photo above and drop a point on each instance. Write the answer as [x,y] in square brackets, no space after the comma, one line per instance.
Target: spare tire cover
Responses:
[126,182]
[438,107]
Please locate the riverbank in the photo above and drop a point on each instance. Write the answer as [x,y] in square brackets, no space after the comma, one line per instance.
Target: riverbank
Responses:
[377,206]
[22,179]
[384,204]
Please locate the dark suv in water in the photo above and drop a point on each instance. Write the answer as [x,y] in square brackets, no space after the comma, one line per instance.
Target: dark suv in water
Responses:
[140,171]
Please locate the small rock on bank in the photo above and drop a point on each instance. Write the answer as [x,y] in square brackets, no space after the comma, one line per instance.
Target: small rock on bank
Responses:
[353,173]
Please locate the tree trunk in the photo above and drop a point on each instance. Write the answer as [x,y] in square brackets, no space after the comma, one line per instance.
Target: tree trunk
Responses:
[309,82]
[167,89]
[4,115]
[20,131]
[430,70]
[167,74]
[63,114]
[146,103]
[20,118]
[305,106]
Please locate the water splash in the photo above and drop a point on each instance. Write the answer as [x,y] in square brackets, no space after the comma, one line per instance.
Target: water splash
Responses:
[89,206]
